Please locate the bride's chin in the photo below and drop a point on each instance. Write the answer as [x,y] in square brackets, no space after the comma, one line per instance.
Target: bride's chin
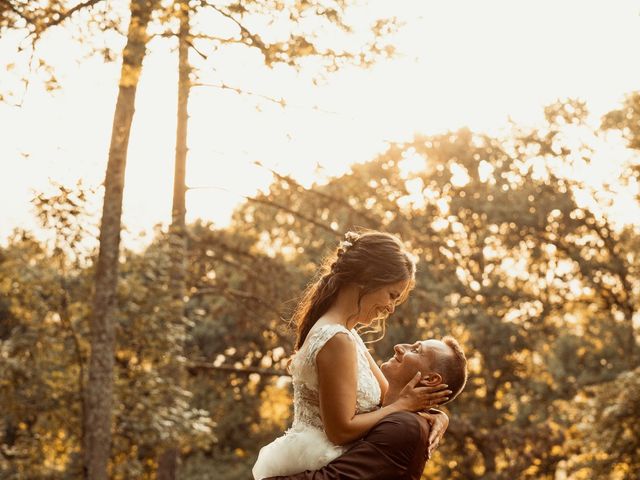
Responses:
[368,322]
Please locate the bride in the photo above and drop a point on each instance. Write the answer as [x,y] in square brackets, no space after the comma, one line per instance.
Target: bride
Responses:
[336,383]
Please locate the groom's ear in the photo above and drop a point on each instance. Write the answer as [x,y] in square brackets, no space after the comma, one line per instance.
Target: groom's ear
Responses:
[431,379]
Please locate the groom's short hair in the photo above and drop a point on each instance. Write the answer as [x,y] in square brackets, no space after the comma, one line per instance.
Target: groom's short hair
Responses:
[453,367]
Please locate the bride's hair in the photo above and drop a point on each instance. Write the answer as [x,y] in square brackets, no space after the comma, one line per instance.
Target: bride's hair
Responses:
[369,259]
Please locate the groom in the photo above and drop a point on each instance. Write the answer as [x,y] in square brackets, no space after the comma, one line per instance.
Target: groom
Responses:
[397,447]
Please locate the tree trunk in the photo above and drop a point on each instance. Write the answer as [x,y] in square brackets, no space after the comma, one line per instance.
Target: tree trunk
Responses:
[177,235]
[169,458]
[168,464]
[99,391]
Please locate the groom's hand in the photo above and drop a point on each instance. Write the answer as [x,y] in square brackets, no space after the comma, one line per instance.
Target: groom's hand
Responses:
[438,421]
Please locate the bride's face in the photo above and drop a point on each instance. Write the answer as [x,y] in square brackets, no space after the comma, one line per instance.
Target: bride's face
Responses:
[381,302]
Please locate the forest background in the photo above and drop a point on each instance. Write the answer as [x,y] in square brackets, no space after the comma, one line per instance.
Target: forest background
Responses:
[164,356]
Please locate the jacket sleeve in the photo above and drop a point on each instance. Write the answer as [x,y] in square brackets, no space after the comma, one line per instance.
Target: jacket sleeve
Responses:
[394,448]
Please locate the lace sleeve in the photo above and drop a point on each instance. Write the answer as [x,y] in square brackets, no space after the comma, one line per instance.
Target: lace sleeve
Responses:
[305,376]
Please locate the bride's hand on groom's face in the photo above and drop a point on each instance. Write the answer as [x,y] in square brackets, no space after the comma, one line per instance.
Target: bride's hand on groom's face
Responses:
[415,397]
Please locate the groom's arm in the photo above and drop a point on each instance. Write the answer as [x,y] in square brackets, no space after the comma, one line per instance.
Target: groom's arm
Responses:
[395,448]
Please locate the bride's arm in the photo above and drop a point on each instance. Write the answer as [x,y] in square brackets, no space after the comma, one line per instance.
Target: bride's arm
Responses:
[337,384]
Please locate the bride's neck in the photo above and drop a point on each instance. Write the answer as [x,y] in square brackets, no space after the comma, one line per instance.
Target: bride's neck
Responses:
[343,310]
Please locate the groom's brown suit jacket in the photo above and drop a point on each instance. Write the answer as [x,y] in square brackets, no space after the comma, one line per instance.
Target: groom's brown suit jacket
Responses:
[394,449]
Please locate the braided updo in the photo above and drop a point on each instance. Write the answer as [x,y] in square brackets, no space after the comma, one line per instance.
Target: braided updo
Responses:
[369,259]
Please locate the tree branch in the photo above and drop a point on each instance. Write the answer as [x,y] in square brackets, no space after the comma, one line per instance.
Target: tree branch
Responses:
[290,181]
[235,293]
[70,12]
[297,214]
[279,207]
[224,86]
[19,13]
[256,41]
[194,367]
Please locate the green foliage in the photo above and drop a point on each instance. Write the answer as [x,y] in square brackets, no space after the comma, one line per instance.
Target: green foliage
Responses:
[605,434]
[44,299]
[38,363]
[540,289]
[626,120]
[301,35]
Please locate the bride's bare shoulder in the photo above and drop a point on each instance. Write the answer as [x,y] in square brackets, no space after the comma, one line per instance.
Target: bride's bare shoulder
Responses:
[339,348]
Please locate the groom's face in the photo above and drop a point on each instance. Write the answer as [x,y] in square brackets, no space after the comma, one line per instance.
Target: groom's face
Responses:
[408,359]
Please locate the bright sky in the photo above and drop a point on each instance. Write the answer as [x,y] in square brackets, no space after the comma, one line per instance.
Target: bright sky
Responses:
[460,63]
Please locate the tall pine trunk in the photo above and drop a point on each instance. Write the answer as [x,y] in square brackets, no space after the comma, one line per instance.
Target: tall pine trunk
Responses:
[177,231]
[168,460]
[99,390]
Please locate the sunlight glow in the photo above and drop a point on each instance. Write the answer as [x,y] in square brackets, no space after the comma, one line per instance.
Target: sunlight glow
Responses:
[460,176]
[459,63]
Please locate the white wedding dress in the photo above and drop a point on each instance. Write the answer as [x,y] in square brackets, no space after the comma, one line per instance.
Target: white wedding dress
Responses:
[305,445]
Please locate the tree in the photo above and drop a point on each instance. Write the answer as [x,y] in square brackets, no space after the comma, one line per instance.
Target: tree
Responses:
[39,366]
[44,310]
[43,334]
[167,463]
[35,19]
[235,344]
[98,408]
[627,121]
[604,436]
[40,17]
[510,262]
[536,286]
[297,45]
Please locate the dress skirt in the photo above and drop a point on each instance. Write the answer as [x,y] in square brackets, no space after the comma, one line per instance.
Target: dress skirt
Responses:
[301,448]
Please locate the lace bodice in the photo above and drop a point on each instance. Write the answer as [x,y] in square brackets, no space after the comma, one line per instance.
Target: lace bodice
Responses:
[306,402]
